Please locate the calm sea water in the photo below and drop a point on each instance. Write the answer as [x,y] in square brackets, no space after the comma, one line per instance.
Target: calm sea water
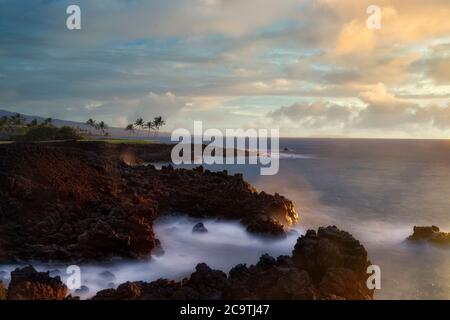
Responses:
[375,189]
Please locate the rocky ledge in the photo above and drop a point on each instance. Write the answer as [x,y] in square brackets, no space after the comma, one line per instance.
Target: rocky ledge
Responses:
[328,264]
[431,235]
[91,201]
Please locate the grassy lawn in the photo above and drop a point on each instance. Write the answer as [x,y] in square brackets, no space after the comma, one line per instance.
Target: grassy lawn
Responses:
[6,142]
[118,141]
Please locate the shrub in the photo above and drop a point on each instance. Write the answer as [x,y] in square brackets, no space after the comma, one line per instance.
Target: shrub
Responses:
[67,133]
[49,133]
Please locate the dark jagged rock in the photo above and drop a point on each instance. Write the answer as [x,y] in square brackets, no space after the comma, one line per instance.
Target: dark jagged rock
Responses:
[88,201]
[431,234]
[82,290]
[336,261]
[265,226]
[28,284]
[199,228]
[329,264]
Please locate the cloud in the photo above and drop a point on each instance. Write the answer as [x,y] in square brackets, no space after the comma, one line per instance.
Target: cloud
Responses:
[381,111]
[435,63]
[315,115]
[384,110]
[355,36]
[229,61]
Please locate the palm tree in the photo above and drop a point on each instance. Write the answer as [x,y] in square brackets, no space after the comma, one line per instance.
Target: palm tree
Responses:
[130,128]
[92,123]
[17,119]
[33,123]
[49,121]
[102,126]
[150,126]
[139,123]
[158,122]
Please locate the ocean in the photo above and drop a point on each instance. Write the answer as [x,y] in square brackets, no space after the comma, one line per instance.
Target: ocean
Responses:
[377,190]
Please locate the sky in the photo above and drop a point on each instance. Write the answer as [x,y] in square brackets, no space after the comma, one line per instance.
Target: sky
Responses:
[311,68]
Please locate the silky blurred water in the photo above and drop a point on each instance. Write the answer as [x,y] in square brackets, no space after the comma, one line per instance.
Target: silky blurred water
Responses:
[377,190]
[225,245]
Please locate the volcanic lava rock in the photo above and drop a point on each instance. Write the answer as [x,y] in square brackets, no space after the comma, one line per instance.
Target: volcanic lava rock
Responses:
[265,227]
[431,234]
[199,228]
[28,284]
[81,201]
[82,290]
[329,264]
[336,261]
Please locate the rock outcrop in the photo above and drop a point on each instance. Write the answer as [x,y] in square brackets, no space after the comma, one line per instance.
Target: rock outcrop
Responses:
[431,234]
[329,264]
[199,228]
[336,261]
[89,201]
[28,284]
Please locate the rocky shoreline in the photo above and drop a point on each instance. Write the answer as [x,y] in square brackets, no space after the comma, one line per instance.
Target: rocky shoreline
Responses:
[327,264]
[90,202]
[86,201]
